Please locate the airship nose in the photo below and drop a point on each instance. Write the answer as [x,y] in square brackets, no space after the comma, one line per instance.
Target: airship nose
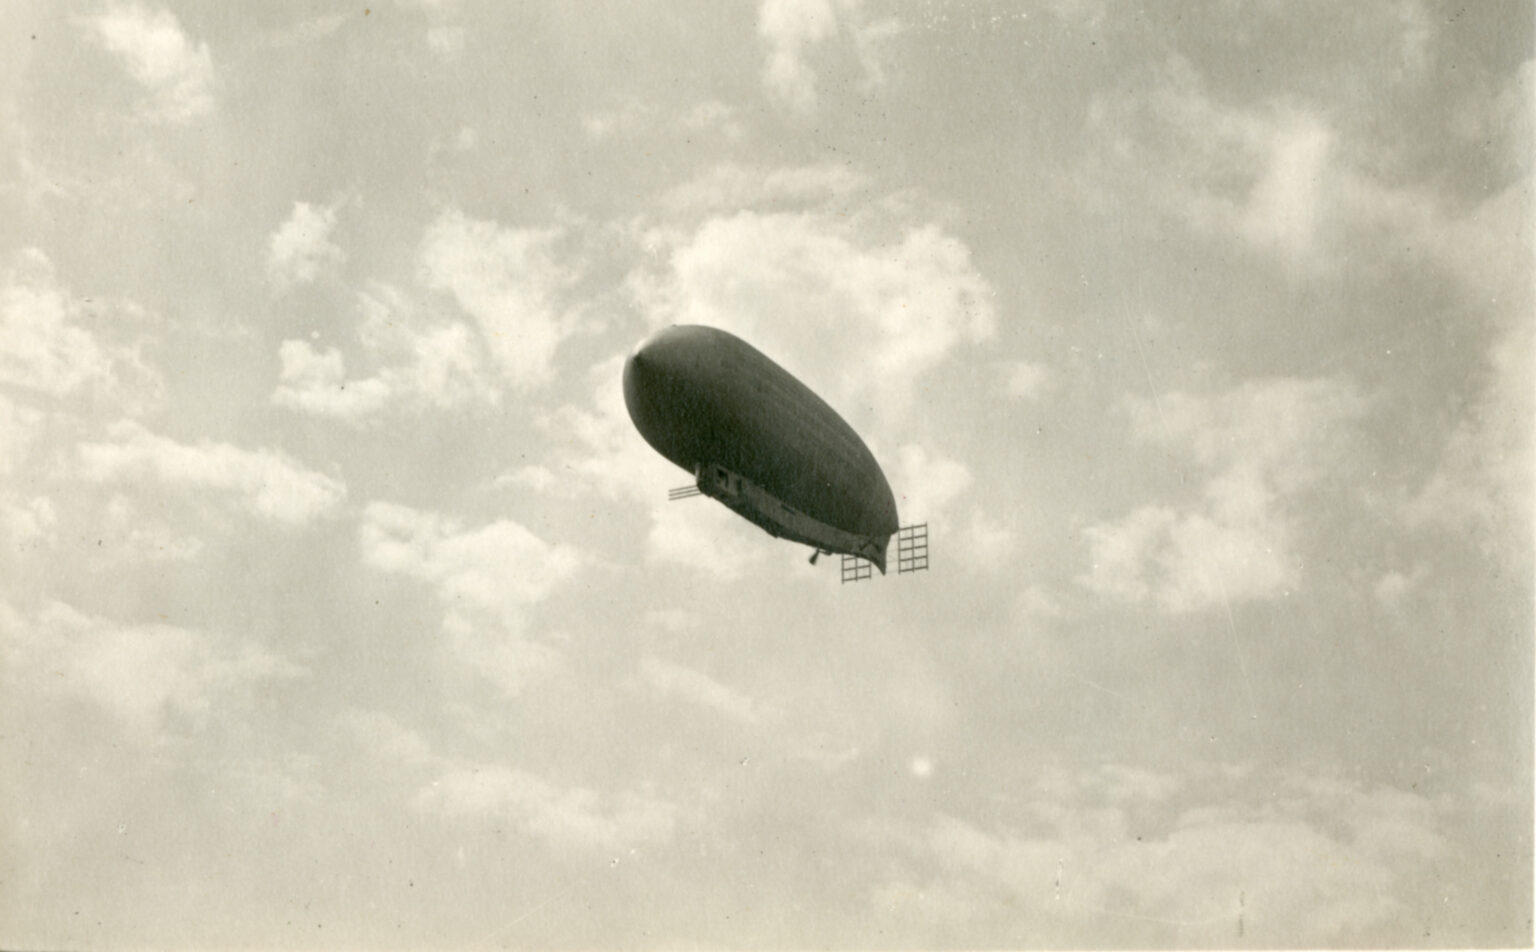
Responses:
[642,385]
[652,366]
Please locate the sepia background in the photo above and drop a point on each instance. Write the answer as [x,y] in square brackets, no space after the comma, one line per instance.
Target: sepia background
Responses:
[342,607]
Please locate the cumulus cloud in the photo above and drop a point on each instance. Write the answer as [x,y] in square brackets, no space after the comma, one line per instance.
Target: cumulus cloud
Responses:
[177,73]
[509,281]
[1259,445]
[1027,380]
[1482,484]
[144,674]
[731,185]
[1269,174]
[1127,857]
[426,363]
[316,382]
[385,737]
[50,350]
[26,523]
[792,29]
[265,482]
[489,579]
[705,537]
[788,27]
[695,687]
[928,482]
[500,567]
[301,246]
[564,817]
[872,316]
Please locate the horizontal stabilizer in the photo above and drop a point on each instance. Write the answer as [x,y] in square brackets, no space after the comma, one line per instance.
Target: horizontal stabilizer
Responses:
[856,569]
[912,548]
[683,492]
[911,555]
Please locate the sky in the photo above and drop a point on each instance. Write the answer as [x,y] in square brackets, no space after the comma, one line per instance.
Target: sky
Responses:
[341,606]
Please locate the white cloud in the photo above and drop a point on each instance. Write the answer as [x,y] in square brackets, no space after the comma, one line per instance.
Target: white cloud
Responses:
[488,579]
[1259,444]
[142,673]
[1127,857]
[702,535]
[791,29]
[695,687]
[787,27]
[985,543]
[733,186]
[142,538]
[426,364]
[301,246]
[1393,587]
[872,317]
[150,44]
[564,817]
[926,483]
[509,280]
[316,382]
[384,737]
[19,430]
[266,482]
[1483,483]
[26,524]
[1268,174]
[447,42]
[1027,380]
[48,348]
[500,567]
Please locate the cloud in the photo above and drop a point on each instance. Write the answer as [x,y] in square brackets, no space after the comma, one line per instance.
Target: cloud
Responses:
[695,687]
[704,536]
[731,186]
[787,27]
[874,316]
[19,430]
[564,817]
[48,349]
[382,736]
[500,567]
[25,524]
[144,674]
[316,382]
[1259,444]
[489,579]
[1482,484]
[150,44]
[926,483]
[791,29]
[301,246]
[986,543]
[447,42]
[427,364]
[1128,857]
[509,281]
[265,482]
[1394,586]
[1269,174]
[1027,380]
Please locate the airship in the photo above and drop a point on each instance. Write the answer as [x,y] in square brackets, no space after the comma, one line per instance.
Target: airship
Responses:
[766,446]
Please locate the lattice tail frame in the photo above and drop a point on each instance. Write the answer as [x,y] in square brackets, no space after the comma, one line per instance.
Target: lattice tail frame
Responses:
[856,569]
[912,548]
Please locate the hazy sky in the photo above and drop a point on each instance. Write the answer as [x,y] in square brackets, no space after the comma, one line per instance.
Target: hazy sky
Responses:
[342,606]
